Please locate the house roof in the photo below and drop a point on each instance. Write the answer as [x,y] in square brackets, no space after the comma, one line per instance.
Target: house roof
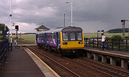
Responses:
[42,27]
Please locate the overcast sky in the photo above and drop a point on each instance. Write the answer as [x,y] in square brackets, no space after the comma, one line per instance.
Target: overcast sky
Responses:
[90,15]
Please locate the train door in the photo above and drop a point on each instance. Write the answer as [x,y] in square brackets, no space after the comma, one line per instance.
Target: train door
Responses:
[45,38]
[56,39]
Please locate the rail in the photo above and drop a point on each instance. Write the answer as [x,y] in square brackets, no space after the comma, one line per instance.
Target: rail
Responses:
[114,44]
[4,47]
[65,68]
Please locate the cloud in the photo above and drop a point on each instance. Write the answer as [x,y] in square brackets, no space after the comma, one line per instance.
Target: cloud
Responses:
[93,26]
[37,12]
[91,15]
[25,27]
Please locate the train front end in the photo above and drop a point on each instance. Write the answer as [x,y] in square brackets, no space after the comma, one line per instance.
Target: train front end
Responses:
[72,38]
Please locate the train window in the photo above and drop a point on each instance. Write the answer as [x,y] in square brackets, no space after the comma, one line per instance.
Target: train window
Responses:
[72,36]
[47,36]
[54,35]
[50,35]
[79,36]
[65,36]
[42,35]
[39,35]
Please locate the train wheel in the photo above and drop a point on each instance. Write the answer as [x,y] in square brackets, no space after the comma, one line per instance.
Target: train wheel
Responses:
[49,49]
[43,47]
[58,51]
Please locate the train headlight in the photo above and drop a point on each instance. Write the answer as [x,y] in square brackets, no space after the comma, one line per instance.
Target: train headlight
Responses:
[80,42]
[65,43]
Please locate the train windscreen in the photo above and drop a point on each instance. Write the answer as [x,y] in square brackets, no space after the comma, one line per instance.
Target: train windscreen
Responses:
[72,36]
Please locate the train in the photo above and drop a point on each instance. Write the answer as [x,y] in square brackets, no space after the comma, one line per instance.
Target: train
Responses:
[66,40]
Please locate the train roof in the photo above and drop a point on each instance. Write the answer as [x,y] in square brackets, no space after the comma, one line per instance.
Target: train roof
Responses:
[70,28]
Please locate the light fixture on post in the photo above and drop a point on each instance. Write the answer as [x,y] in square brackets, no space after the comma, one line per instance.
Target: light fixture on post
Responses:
[71,14]
[11,22]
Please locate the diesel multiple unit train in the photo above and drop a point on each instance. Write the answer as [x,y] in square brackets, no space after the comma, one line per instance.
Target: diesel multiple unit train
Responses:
[66,41]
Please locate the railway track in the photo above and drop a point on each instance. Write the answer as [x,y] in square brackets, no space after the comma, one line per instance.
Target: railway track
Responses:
[65,71]
[112,70]
[79,67]
[73,66]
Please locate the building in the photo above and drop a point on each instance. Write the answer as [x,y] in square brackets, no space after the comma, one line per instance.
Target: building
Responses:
[41,28]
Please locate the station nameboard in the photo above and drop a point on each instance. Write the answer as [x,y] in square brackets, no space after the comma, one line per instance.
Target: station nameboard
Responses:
[100,31]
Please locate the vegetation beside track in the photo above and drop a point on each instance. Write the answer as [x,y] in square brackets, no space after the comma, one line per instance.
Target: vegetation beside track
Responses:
[31,38]
[94,35]
[26,38]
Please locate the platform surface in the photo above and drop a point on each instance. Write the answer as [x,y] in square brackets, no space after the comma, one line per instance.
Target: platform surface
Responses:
[121,54]
[20,64]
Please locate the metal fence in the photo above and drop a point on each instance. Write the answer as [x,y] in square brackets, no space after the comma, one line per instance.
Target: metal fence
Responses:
[4,48]
[114,44]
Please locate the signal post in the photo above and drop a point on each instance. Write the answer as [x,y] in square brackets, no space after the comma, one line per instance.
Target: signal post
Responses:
[17,28]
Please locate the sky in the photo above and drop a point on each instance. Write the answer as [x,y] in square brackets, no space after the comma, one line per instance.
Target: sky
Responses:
[90,15]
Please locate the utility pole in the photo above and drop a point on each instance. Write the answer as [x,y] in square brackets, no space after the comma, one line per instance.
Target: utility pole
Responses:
[64,20]
[11,21]
[123,27]
[123,23]
[71,13]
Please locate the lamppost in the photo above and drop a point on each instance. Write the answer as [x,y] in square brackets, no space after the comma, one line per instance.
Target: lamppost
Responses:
[11,21]
[64,20]
[71,14]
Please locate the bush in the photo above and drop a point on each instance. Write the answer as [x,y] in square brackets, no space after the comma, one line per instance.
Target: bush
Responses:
[117,39]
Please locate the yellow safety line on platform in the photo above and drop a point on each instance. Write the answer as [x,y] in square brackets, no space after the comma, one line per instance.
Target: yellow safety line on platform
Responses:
[44,63]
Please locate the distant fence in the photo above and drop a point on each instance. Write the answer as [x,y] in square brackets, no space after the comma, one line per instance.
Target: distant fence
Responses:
[114,44]
[4,47]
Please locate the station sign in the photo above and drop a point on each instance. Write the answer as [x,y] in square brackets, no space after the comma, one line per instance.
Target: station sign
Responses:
[100,31]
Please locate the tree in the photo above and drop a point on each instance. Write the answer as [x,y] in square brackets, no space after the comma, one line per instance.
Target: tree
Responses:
[2,28]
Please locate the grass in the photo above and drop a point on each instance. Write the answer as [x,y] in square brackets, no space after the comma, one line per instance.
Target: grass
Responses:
[26,38]
[91,35]
[31,38]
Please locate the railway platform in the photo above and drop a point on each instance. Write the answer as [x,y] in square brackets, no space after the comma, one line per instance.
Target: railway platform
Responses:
[24,63]
[120,54]
[123,56]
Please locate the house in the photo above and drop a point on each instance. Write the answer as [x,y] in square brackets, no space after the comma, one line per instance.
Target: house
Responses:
[41,28]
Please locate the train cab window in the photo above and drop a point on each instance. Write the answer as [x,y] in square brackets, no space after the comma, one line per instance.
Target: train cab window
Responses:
[72,36]
[79,36]
[65,36]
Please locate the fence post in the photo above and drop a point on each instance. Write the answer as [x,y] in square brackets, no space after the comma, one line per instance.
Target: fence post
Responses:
[93,42]
[126,45]
[85,39]
[112,44]
[8,40]
[89,42]
[86,42]
[4,42]
[119,44]
[97,42]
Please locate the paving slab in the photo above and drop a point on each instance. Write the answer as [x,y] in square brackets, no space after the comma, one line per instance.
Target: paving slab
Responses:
[20,64]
